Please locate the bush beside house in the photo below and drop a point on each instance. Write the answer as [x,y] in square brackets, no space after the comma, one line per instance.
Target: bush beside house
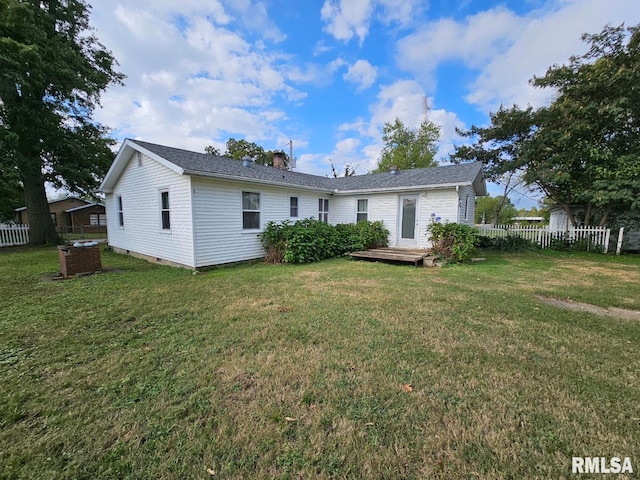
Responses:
[311,240]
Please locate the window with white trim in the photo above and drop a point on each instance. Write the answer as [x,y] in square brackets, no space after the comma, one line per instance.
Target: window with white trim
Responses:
[120,211]
[362,211]
[97,219]
[293,207]
[323,210]
[250,211]
[464,208]
[165,211]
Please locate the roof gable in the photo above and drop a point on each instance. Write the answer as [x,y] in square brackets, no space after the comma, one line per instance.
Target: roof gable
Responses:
[185,162]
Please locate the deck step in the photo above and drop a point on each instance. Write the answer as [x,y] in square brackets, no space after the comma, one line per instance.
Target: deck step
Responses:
[395,255]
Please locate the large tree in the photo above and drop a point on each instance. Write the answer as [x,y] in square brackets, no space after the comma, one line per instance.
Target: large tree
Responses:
[583,150]
[52,72]
[407,147]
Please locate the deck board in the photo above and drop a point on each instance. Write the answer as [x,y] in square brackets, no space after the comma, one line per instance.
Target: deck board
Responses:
[395,255]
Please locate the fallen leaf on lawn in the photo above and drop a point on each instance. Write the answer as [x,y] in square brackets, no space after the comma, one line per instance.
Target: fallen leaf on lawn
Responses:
[407,388]
[284,309]
[211,471]
[290,419]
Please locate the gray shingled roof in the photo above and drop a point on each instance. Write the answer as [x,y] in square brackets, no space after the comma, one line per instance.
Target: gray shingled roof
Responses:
[209,165]
[194,163]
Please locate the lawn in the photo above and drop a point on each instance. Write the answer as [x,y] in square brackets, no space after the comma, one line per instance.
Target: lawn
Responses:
[339,369]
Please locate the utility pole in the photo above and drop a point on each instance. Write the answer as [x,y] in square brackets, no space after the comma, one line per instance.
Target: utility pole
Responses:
[290,155]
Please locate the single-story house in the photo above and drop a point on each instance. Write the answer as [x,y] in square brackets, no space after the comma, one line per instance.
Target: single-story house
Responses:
[72,215]
[195,210]
[630,220]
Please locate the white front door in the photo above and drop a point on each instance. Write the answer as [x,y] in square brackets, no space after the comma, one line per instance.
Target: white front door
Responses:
[408,221]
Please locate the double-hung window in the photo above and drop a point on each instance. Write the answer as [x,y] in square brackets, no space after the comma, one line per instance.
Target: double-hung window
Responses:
[120,211]
[165,211]
[250,211]
[362,214]
[323,210]
[293,207]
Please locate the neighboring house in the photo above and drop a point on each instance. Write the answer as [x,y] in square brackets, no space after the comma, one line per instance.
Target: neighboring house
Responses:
[630,220]
[528,220]
[195,210]
[72,215]
[558,219]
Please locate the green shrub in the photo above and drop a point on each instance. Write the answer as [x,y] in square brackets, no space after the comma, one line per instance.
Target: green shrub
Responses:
[564,244]
[510,243]
[452,241]
[311,240]
[362,235]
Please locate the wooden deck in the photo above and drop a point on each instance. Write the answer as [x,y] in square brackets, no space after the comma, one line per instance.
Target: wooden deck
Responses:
[401,255]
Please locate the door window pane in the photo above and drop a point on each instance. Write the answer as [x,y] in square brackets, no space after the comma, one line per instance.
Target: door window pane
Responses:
[408,218]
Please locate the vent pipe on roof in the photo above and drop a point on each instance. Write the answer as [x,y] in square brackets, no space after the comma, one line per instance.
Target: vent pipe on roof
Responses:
[394,170]
[246,162]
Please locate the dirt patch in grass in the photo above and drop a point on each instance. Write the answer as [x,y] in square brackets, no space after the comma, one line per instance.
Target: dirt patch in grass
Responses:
[620,313]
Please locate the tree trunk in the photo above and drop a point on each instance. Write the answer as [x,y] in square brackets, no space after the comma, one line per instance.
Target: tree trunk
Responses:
[570,216]
[587,215]
[41,228]
[605,215]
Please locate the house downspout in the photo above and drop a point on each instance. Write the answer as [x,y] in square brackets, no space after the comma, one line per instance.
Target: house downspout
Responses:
[458,204]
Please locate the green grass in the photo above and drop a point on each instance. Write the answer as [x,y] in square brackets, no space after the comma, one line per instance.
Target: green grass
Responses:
[262,371]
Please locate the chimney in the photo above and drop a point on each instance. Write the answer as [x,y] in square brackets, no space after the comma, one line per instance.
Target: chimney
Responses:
[278,160]
[394,170]
[246,162]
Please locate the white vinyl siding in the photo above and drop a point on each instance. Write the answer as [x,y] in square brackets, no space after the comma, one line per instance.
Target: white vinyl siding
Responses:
[382,207]
[467,203]
[138,188]
[217,212]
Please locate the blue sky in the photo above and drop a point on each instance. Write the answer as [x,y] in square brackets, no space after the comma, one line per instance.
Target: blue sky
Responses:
[327,74]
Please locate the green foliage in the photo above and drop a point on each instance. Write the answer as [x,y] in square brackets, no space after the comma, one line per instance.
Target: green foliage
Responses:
[408,148]
[11,193]
[239,149]
[362,235]
[583,149]
[310,240]
[495,210]
[211,150]
[563,243]
[453,242]
[510,243]
[54,70]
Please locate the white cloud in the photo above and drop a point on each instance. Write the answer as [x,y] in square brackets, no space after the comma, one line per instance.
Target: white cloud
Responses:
[546,39]
[508,49]
[320,47]
[473,41]
[407,101]
[362,73]
[193,78]
[346,18]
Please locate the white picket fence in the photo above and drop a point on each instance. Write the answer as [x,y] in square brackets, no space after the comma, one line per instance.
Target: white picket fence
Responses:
[543,236]
[13,234]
